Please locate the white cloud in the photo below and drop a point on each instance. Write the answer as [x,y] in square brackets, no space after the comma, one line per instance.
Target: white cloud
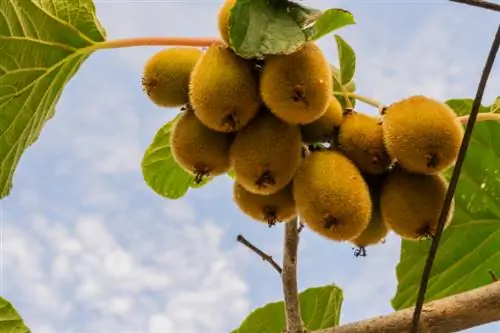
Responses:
[61,271]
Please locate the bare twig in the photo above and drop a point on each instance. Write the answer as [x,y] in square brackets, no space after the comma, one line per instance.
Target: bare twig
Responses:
[453,181]
[260,253]
[450,314]
[480,3]
[493,275]
[289,277]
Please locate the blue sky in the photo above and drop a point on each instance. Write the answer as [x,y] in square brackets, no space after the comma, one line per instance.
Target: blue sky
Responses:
[89,248]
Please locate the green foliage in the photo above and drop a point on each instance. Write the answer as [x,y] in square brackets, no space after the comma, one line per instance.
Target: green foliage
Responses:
[160,170]
[345,75]
[43,45]
[10,320]
[469,247]
[259,27]
[320,308]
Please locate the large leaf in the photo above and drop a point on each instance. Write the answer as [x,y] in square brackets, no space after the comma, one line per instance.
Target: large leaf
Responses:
[259,27]
[161,172]
[42,45]
[470,246]
[10,321]
[332,19]
[320,308]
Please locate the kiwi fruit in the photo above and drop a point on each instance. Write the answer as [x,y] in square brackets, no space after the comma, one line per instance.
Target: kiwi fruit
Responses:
[326,127]
[271,209]
[422,134]
[361,138]
[223,20]
[331,196]
[297,87]
[198,149]
[265,154]
[376,231]
[223,90]
[166,74]
[410,203]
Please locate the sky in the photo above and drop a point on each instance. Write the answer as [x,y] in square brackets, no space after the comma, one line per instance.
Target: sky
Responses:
[88,247]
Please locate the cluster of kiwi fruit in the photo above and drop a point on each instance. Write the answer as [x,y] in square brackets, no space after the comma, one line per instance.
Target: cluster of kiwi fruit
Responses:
[276,126]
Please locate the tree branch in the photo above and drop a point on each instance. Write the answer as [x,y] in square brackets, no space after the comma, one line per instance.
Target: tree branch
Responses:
[260,253]
[454,180]
[480,3]
[450,314]
[289,278]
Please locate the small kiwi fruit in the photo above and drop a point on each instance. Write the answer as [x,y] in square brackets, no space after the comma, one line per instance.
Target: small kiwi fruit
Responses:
[331,196]
[410,203]
[265,154]
[223,20]
[165,77]
[361,138]
[297,87]
[223,90]
[376,231]
[271,209]
[422,134]
[326,127]
[198,149]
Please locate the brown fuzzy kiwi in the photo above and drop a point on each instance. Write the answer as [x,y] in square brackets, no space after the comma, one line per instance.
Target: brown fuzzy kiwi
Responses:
[198,149]
[331,196]
[223,90]
[271,209]
[361,138]
[377,231]
[165,77]
[422,134]
[410,203]
[223,19]
[297,87]
[265,154]
[326,127]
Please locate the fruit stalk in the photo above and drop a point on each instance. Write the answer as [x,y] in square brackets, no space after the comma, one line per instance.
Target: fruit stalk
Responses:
[156,41]
[289,278]
[450,314]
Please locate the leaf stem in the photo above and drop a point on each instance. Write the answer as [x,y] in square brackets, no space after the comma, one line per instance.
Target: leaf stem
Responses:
[364,99]
[260,253]
[156,41]
[480,117]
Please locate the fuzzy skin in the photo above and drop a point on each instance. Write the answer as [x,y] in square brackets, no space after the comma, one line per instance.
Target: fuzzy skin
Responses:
[166,75]
[223,19]
[266,144]
[306,72]
[361,138]
[223,86]
[197,148]
[323,129]
[417,128]
[326,186]
[410,202]
[280,203]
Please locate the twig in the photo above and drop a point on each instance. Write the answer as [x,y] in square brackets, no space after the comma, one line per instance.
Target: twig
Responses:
[260,253]
[289,278]
[450,314]
[301,226]
[493,275]
[480,3]
[454,180]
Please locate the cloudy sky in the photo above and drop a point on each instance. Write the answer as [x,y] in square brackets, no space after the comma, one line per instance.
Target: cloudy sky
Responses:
[89,248]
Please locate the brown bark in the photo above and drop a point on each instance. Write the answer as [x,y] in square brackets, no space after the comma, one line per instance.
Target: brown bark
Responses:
[451,314]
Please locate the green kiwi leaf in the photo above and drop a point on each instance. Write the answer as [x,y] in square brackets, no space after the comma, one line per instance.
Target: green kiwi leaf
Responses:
[43,44]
